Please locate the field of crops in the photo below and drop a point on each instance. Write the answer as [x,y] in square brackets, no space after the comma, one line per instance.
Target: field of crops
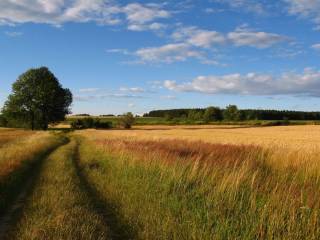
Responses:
[161,182]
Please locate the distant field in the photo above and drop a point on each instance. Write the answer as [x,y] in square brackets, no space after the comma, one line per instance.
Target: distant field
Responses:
[296,137]
[163,121]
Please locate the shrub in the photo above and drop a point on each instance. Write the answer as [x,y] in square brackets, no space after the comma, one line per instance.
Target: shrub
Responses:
[127,120]
[86,123]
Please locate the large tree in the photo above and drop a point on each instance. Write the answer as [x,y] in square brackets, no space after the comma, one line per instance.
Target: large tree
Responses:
[37,99]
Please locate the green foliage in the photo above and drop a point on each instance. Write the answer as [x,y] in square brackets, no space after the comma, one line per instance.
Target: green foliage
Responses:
[231,113]
[245,114]
[195,115]
[127,120]
[212,114]
[37,99]
[3,121]
[86,123]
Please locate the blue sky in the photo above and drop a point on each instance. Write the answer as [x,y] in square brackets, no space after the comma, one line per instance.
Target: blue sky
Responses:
[118,56]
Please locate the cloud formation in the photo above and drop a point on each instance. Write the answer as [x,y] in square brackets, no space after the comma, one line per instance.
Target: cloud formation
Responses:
[56,12]
[194,43]
[316,46]
[246,5]
[306,84]
[169,53]
[309,9]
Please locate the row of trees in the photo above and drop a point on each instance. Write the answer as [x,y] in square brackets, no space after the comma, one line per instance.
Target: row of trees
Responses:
[232,113]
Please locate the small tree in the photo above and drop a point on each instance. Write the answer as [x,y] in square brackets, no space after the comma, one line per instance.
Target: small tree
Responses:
[212,114]
[195,115]
[38,99]
[127,120]
[231,113]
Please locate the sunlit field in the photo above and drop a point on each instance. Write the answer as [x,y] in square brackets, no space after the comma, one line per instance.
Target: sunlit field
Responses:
[161,182]
[7,135]
[295,137]
[209,182]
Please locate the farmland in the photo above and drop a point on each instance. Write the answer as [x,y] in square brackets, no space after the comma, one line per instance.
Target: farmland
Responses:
[162,182]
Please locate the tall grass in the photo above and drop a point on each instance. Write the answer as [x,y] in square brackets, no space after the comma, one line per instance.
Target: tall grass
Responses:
[59,208]
[7,135]
[191,190]
[17,160]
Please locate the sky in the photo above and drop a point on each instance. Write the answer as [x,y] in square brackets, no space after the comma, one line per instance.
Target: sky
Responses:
[118,56]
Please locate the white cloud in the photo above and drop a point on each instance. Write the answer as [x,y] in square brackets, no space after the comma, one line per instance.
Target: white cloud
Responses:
[198,37]
[106,96]
[119,50]
[193,42]
[89,90]
[143,27]
[140,14]
[244,36]
[131,105]
[247,5]
[168,53]
[309,9]
[56,12]
[169,97]
[132,89]
[316,46]
[306,83]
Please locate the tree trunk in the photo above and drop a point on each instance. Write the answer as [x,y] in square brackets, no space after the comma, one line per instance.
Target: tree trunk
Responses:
[32,121]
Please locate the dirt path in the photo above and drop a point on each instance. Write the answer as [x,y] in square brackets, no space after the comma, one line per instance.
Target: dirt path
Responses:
[11,216]
[101,207]
[58,202]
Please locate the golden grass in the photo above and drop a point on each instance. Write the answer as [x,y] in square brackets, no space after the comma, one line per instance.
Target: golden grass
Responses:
[58,207]
[7,135]
[12,155]
[236,183]
[294,137]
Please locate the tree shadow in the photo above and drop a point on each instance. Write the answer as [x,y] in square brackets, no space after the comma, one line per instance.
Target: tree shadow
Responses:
[10,218]
[118,229]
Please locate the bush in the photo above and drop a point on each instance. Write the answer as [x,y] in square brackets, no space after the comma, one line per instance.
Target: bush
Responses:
[86,123]
[126,121]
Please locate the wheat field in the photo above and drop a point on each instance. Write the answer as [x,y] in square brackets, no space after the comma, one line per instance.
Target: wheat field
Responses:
[161,182]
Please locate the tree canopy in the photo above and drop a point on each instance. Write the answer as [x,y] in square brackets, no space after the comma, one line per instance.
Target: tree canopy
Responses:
[37,99]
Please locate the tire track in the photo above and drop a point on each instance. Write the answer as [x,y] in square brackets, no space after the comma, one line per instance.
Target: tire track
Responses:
[117,229]
[10,217]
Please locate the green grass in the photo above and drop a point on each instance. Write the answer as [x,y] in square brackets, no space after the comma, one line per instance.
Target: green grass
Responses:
[163,121]
[18,160]
[180,200]
[59,208]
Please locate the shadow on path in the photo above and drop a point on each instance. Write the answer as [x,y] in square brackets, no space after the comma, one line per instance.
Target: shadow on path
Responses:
[118,230]
[10,218]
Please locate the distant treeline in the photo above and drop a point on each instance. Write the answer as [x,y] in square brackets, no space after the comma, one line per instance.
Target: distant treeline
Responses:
[233,113]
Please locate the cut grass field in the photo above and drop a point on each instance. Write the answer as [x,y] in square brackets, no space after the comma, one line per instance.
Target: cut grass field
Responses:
[223,182]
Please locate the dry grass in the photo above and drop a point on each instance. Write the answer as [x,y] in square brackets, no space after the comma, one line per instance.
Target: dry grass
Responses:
[14,154]
[294,137]
[265,186]
[59,208]
[16,160]
[7,135]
